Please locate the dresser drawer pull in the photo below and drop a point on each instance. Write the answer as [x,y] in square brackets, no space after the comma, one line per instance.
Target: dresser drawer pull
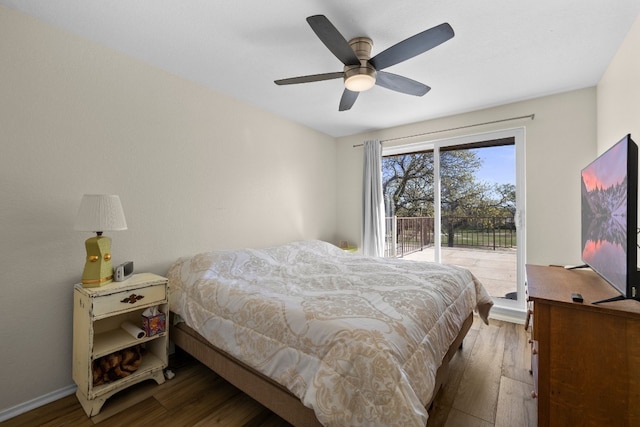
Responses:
[534,395]
[132,299]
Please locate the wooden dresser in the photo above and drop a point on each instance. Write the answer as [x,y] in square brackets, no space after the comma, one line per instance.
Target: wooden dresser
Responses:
[585,358]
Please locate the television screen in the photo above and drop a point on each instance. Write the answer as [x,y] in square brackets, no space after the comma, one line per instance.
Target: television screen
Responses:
[609,209]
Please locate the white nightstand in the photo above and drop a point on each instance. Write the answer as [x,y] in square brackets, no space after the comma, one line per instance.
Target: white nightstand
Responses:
[98,314]
[345,246]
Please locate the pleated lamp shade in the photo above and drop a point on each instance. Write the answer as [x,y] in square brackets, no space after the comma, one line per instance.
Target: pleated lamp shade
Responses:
[100,212]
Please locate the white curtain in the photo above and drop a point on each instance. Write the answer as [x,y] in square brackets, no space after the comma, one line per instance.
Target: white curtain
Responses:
[373,201]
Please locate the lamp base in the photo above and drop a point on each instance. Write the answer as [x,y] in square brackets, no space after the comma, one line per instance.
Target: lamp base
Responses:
[98,270]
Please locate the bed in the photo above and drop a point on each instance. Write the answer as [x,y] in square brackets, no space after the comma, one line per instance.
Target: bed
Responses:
[322,336]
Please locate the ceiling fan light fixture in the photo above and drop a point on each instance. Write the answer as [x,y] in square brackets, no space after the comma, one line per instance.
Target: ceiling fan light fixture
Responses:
[359,79]
[361,71]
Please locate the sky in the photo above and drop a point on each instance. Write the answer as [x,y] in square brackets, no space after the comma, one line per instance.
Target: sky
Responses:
[498,164]
[607,170]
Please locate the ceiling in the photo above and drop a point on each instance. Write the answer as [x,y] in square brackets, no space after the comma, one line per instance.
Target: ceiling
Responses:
[503,50]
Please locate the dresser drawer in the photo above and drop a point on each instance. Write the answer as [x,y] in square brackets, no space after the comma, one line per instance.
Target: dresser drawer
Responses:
[534,367]
[129,300]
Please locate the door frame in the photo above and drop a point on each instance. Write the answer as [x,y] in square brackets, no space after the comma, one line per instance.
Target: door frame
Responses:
[512,310]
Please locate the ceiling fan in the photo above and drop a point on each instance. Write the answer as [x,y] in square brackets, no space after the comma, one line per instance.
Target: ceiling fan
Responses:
[361,72]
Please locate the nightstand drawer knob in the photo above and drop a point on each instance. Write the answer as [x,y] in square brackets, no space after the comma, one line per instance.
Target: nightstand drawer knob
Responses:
[93,258]
[132,299]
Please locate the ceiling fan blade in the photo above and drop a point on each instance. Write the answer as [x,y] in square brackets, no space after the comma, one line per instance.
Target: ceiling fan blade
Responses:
[401,84]
[347,100]
[333,40]
[412,46]
[309,79]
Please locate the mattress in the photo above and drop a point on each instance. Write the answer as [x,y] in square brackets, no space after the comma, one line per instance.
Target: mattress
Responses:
[357,339]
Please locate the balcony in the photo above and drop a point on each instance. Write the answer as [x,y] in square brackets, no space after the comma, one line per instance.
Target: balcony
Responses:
[485,246]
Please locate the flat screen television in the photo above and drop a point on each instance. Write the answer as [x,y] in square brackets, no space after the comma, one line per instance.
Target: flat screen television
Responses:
[609,217]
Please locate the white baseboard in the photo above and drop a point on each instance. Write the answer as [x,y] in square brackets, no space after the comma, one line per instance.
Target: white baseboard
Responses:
[14,411]
[508,315]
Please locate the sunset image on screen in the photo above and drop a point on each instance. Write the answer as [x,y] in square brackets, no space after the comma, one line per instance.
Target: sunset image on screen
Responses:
[611,169]
[604,215]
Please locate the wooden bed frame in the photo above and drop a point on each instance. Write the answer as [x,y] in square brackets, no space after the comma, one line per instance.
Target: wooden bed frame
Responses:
[266,391]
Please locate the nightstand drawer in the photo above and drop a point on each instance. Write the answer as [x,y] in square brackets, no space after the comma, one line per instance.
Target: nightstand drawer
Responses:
[129,300]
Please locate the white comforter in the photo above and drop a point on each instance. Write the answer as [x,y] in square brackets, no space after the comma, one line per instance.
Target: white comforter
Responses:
[357,339]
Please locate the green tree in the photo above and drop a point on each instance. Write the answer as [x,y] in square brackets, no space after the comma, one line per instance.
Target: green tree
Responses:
[408,187]
[461,194]
[407,184]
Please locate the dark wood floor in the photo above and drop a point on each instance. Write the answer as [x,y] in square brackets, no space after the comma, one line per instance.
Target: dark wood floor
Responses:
[489,385]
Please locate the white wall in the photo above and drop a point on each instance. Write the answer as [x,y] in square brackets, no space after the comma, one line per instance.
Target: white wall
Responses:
[194,169]
[560,141]
[619,94]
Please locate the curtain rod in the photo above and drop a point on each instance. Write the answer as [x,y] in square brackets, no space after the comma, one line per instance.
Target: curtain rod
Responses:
[530,116]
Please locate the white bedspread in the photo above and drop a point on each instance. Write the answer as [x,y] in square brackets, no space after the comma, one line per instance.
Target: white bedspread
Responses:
[357,339]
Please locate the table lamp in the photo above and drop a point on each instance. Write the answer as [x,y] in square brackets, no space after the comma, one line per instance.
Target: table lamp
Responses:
[99,213]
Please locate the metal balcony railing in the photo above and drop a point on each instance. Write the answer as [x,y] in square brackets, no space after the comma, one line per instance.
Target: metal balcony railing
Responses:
[405,235]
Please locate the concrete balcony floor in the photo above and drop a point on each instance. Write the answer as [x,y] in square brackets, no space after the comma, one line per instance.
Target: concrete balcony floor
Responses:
[496,270]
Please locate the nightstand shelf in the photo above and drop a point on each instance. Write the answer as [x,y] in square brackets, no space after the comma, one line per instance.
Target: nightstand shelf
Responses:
[97,318]
[150,365]
[117,339]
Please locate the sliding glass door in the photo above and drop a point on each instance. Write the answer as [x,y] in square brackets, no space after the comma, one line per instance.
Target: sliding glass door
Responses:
[460,201]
